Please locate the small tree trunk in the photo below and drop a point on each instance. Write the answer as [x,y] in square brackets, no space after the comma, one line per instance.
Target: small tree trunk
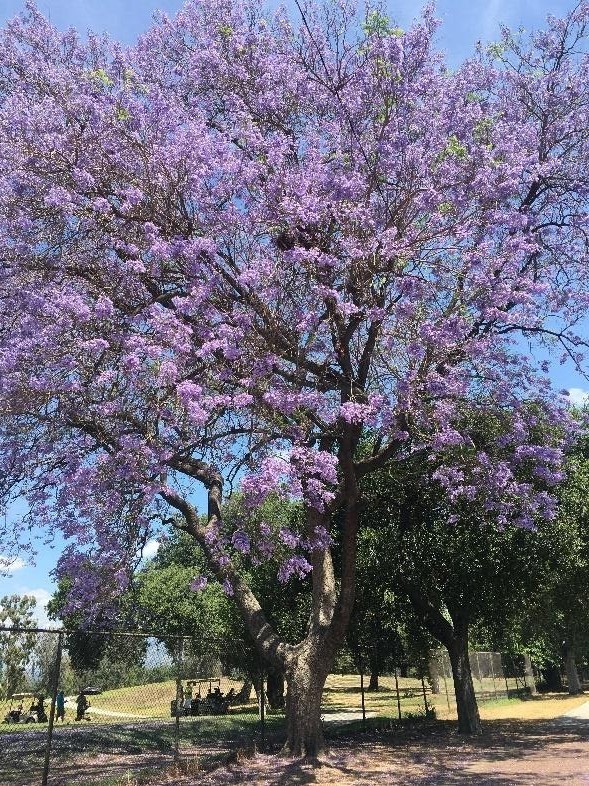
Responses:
[434,672]
[374,661]
[305,678]
[529,674]
[551,677]
[469,721]
[573,680]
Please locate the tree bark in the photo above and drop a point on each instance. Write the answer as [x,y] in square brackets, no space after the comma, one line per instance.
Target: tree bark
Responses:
[469,721]
[573,681]
[373,684]
[306,672]
[529,675]
[434,672]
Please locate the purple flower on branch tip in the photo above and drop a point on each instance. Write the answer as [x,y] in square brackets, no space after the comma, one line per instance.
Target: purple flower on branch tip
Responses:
[199,583]
[294,566]
[241,541]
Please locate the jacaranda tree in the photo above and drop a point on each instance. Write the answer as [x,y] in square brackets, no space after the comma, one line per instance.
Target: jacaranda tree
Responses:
[235,251]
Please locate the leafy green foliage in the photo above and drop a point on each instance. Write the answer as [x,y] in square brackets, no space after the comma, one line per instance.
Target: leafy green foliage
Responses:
[15,647]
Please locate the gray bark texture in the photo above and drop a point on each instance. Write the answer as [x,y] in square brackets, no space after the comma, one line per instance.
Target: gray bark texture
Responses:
[469,721]
[574,683]
[529,673]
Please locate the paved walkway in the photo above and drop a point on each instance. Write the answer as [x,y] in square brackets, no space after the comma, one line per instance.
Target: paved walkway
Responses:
[344,716]
[579,713]
[111,713]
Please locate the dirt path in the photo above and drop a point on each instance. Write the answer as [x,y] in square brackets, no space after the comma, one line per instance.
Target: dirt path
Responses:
[509,753]
[549,746]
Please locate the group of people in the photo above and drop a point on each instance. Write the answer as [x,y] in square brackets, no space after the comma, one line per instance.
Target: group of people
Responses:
[35,714]
[214,703]
[82,705]
[37,711]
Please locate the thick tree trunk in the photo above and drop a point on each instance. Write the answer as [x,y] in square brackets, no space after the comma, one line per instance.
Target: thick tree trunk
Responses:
[551,677]
[469,721]
[373,684]
[305,678]
[574,683]
[307,664]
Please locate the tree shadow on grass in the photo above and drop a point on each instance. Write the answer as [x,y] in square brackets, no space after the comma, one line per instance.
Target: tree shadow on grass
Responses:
[526,753]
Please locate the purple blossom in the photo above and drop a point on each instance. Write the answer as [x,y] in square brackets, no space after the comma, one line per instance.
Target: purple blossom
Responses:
[241,541]
[289,538]
[198,583]
[216,290]
[293,566]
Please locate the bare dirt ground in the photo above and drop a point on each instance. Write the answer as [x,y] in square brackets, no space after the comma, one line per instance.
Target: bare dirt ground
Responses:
[509,753]
[538,749]
[526,743]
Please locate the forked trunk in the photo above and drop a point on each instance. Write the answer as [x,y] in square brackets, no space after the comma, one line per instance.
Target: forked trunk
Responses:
[573,680]
[305,679]
[469,721]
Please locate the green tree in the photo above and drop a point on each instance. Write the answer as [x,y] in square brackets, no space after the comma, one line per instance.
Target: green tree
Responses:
[165,605]
[553,622]
[384,633]
[456,567]
[16,611]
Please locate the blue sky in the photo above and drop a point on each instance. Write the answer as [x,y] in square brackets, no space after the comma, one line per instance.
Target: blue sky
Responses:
[463,24]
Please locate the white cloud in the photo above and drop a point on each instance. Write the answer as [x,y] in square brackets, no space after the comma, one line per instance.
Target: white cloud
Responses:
[578,397]
[42,596]
[9,565]
[150,549]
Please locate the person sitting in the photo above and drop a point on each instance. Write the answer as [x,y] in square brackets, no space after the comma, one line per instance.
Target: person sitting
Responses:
[15,714]
[188,699]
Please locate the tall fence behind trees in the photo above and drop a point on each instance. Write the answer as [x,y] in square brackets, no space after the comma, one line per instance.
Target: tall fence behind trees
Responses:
[93,705]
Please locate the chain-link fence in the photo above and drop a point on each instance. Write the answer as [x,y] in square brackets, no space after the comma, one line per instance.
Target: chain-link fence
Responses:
[495,675]
[93,707]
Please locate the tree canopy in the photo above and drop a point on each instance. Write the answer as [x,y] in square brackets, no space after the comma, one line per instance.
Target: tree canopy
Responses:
[231,250]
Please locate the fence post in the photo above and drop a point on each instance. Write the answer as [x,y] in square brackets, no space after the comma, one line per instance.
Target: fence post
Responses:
[491,659]
[262,708]
[505,675]
[362,694]
[179,704]
[424,696]
[480,673]
[54,687]
[398,697]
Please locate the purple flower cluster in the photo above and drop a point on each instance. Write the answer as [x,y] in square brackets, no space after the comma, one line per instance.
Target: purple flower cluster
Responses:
[217,265]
